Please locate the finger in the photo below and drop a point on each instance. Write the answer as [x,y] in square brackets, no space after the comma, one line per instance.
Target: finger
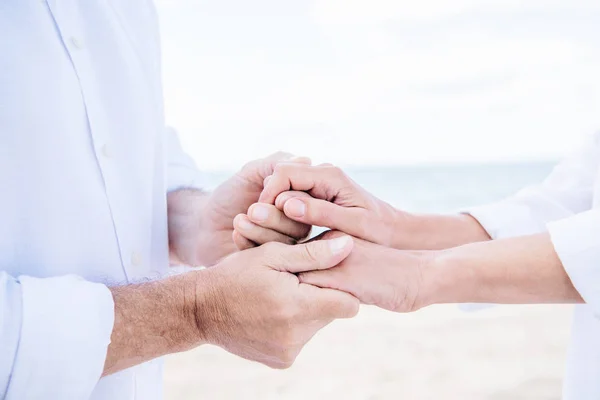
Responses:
[282,157]
[323,182]
[241,242]
[285,196]
[260,169]
[327,279]
[258,234]
[311,211]
[288,159]
[311,256]
[326,304]
[269,217]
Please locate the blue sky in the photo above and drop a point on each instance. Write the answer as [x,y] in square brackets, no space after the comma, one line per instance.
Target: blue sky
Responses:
[381,81]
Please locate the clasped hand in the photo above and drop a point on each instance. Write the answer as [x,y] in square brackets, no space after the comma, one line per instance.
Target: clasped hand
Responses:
[298,196]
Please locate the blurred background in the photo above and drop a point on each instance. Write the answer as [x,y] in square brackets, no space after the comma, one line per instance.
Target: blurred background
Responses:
[434,106]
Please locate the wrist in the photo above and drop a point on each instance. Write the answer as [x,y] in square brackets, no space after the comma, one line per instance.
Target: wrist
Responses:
[183,309]
[404,228]
[448,278]
[208,306]
[435,232]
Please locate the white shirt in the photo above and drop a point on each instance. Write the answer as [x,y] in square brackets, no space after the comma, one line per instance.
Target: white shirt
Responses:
[566,204]
[85,162]
[85,165]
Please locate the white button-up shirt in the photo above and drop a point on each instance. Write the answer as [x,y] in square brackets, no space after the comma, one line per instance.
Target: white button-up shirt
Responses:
[85,165]
[567,204]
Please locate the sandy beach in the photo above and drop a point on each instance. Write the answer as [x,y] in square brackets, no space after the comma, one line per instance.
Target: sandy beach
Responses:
[514,352]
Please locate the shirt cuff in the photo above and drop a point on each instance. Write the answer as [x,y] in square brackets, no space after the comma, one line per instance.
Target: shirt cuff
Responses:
[507,219]
[66,328]
[577,243]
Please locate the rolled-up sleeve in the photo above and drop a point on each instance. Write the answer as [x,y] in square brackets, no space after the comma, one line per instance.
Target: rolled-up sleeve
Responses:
[567,191]
[577,243]
[182,172]
[54,335]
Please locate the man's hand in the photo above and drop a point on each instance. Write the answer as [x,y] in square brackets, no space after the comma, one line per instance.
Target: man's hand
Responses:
[325,196]
[201,225]
[251,304]
[388,278]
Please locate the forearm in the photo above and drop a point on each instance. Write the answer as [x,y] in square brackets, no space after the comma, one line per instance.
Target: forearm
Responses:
[523,270]
[151,320]
[436,232]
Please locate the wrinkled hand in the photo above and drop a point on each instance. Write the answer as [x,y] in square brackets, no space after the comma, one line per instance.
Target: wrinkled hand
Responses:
[252,304]
[387,278]
[201,228]
[322,196]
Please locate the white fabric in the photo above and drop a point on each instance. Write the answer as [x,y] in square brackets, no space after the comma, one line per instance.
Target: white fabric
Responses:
[84,170]
[567,205]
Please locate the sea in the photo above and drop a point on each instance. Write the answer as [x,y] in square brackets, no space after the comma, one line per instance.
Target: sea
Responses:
[438,188]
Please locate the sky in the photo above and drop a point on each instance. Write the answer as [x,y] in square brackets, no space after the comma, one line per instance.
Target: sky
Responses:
[381,82]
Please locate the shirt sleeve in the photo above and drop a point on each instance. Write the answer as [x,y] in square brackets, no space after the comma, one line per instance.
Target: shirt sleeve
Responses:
[54,334]
[566,192]
[182,172]
[577,243]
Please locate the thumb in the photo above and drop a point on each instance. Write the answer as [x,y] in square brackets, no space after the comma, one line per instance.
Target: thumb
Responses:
[311,211]
[317,255]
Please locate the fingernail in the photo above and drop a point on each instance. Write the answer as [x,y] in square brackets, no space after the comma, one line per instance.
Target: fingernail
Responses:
[266,181]
[259,213]
[245,225]
[338,245]
[295,208]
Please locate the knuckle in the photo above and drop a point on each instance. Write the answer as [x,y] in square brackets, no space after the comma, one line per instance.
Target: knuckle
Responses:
[353,309]
[280,169]
[272,250]
[337,171]
[287,356]
[250,166]
[286,361]
[310,253]
[266,180]
[281,365]
[281,155]
[323,215]
[362,224]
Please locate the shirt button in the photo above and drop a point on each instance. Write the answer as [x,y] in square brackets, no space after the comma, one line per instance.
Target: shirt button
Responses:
[106,151]
[136,259]
[76,42]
